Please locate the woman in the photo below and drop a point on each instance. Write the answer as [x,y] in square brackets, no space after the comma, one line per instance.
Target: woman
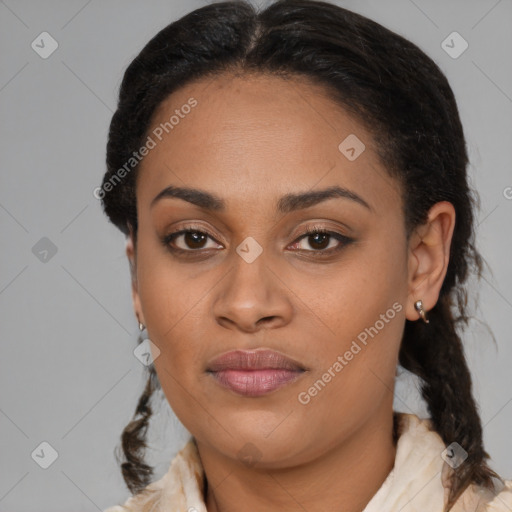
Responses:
[292,185]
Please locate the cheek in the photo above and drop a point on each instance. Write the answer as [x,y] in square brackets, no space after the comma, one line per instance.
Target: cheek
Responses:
[358,313]
[343,299]
[173,308]
[172,299]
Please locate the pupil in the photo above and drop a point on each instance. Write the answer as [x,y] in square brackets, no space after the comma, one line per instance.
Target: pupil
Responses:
[194,239]
[324,235]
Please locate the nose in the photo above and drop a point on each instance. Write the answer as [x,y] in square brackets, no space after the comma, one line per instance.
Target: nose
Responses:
[252,297]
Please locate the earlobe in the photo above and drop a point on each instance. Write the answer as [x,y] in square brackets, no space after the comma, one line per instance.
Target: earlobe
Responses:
[429,254]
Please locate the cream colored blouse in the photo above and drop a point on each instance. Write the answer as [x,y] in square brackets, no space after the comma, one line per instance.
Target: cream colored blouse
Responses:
[417,482]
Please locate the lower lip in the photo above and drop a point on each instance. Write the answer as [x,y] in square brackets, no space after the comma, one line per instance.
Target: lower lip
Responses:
[255,382]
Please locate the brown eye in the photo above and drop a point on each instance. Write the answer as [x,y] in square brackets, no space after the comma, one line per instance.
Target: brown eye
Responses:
[188,240]
[194,239]
[321,241]
[191,240]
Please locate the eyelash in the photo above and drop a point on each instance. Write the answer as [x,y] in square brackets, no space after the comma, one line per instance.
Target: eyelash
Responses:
[309,231]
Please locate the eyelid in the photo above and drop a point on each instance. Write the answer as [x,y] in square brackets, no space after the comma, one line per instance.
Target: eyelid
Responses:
[193,227]
[342,240]
[189,228]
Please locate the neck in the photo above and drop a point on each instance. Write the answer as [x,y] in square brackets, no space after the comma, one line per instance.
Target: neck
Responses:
[345,478]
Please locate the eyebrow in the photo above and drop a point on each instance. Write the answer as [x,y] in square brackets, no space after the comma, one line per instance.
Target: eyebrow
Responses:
[286,204]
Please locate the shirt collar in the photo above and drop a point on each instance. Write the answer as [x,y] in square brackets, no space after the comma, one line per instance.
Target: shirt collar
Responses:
[418,482]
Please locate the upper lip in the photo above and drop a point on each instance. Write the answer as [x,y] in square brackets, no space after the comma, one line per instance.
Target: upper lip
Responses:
[259,359]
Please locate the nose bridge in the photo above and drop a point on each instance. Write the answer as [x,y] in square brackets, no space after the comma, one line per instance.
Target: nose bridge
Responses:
[250,274]
[251,290]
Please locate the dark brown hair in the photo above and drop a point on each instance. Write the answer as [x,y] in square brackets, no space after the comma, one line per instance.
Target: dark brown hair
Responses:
[400,95]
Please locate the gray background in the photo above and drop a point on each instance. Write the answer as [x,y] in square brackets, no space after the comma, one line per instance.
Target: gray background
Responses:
[67,372]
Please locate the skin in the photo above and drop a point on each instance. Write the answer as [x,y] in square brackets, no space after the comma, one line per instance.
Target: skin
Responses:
[250,140]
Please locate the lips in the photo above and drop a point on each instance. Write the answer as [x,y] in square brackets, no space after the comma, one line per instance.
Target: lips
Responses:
[254,372]
[253,360]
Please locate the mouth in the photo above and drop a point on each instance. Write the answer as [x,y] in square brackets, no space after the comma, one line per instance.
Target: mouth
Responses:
[254,372]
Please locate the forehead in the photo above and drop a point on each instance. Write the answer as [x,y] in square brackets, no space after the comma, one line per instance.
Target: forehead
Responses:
[263,135]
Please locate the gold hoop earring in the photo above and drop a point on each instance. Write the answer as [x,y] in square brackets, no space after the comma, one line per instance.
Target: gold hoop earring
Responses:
[418,306]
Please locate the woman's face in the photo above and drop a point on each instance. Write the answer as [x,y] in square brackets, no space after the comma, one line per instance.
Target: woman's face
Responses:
[262,151]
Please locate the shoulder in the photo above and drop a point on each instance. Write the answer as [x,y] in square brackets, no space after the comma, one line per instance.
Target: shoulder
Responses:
[481,499]
[145,500]
[179,489]
[419,454]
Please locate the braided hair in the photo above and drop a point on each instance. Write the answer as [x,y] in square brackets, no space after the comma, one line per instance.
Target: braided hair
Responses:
[136,473]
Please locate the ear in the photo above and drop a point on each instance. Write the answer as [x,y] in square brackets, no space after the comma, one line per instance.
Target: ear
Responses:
[132,260]
[429,254]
